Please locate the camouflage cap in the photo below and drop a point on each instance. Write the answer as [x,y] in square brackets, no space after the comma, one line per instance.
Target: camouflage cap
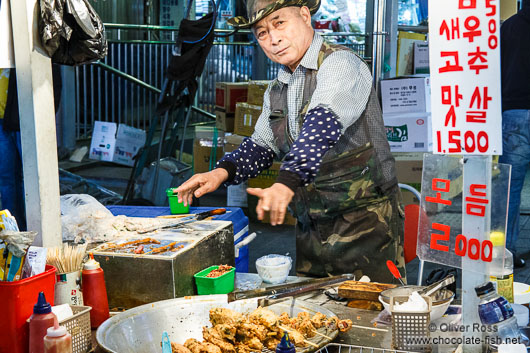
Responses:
[259,9]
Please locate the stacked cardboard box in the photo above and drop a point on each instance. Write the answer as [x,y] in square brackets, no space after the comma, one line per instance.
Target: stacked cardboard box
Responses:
[256,90]
[227,95]
[238,105]
[246,117]
[206,147]
[406,103]
[116,143]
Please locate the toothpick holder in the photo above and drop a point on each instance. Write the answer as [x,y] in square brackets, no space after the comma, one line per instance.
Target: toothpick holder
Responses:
[68,289]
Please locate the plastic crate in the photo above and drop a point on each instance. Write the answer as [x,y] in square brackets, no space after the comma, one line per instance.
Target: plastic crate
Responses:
[408,326]
[18,299]
[217,285]
[79,328]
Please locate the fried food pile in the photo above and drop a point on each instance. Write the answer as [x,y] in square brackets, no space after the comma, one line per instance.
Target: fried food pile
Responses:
[233,332]
[220,271]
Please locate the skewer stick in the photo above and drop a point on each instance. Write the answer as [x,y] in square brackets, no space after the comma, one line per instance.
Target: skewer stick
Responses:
[321,334]
[305,341]
[370,328]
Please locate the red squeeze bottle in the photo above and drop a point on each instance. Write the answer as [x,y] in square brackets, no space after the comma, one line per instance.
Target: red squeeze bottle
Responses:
[39,322]
[95,292]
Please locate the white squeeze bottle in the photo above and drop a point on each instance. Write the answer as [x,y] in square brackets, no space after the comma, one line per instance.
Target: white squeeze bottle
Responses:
[57,340]
[502,279]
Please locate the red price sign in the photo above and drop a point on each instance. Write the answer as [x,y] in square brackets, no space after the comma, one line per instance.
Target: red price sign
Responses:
[440,236]
[465,76]
[448,197]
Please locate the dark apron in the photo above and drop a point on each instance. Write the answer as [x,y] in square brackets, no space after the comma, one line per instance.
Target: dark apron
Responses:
[348,220]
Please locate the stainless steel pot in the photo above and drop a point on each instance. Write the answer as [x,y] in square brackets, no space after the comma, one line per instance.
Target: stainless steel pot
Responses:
[440,297]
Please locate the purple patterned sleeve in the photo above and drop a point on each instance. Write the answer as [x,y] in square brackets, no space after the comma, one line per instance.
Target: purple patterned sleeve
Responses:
[320,132]
[247,161]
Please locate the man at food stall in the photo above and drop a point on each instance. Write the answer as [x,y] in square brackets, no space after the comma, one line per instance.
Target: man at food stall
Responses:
[322,120]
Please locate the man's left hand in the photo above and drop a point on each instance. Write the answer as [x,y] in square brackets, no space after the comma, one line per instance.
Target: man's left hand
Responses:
[274,200]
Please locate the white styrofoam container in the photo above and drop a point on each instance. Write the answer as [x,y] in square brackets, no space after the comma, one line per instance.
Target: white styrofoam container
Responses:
[406,94]
[409,132]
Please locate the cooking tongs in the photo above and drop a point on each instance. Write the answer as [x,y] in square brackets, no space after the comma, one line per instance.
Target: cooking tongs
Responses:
[288,290]
[436,286]
[188,219]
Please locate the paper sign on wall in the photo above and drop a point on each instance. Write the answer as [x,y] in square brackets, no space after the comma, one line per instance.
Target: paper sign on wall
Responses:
[464,48]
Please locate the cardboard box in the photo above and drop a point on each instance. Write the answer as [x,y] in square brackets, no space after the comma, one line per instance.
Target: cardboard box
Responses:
[103,141]
[264,180]
[227,94]
[405,51]
[113,143]
[256,90]
[421,58]
[246,117]
[129,140]
[232,142]
[202,148]
[409,132]
[224,121]
[406,95]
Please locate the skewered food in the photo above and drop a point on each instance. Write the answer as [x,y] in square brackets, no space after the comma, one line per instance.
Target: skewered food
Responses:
[345,325]
[233,332]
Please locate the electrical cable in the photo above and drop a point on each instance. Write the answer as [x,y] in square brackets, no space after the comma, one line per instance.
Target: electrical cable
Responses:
[214,19]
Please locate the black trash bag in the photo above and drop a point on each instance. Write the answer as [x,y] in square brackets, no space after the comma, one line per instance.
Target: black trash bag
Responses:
[71,31]
[195,40]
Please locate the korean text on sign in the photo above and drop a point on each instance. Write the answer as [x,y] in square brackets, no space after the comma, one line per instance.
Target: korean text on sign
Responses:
[462,245]
[465,76]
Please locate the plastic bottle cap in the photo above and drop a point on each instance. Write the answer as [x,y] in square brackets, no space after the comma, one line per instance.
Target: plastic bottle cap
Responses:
[56,331]
[42,306]
[497,238]
[285,344]
[484,288]
[91,264]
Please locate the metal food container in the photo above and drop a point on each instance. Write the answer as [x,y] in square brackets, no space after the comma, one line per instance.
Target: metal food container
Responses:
[140,330]
[136,279]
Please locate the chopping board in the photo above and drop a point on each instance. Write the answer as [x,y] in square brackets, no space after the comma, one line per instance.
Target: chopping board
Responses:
[363,290]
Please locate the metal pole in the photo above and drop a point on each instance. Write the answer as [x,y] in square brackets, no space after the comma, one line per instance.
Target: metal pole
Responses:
[68,106]
[378,42]
[37,126]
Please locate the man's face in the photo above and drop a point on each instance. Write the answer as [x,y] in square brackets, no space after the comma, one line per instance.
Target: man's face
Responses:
[285,35]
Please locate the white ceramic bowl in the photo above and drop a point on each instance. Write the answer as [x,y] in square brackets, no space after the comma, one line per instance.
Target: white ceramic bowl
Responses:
[521,295]
[443,299]
[274,268]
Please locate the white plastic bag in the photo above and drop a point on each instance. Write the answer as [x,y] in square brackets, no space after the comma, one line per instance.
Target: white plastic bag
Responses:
[83,218]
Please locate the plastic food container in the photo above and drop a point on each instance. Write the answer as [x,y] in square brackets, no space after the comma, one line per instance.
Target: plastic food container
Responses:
[215,285]
[174,206]
[18,298]
[521,293]
[274,268]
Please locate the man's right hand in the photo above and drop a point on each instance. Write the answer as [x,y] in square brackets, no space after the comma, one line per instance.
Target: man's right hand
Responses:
[201,184]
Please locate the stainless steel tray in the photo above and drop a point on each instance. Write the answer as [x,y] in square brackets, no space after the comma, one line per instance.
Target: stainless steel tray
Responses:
[139,330]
